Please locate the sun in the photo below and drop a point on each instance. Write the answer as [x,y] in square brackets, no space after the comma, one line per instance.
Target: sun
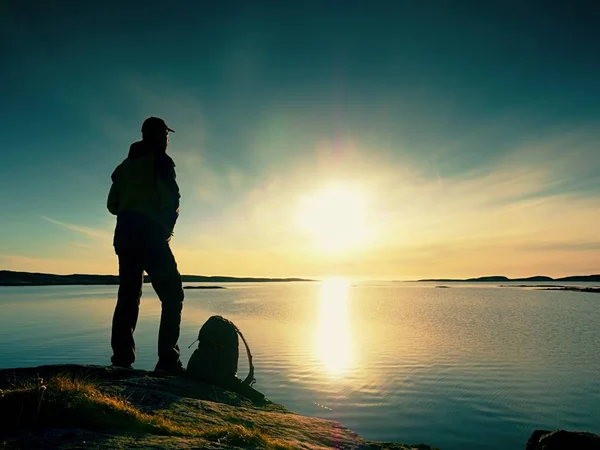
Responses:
[334,217]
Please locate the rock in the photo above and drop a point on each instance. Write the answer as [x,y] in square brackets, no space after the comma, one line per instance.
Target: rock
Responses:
[563,440]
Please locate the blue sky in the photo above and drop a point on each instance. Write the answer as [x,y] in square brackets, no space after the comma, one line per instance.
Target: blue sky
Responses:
[464,128]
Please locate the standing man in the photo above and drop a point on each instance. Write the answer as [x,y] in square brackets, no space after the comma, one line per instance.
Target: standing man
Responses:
[145,198]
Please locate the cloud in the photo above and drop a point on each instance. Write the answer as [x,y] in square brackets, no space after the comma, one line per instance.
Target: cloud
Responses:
[505,216]
[94,233]
[532,209]
[67,264]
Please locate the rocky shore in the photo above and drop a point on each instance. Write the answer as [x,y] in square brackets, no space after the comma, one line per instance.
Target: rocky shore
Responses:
[72,406]
[78,407]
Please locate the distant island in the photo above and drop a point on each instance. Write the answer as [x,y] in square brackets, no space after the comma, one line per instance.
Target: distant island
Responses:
[553,287]
[594,290]
[204,287]
[10,278]
[502,279]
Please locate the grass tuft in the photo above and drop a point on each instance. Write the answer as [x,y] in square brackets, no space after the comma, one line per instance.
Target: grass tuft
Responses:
[71,402]
[240,436]
[68,402]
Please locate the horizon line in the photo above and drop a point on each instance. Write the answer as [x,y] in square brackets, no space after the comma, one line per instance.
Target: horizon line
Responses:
[319,277]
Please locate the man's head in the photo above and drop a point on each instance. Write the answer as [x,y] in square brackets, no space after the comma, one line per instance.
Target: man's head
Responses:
[156,131]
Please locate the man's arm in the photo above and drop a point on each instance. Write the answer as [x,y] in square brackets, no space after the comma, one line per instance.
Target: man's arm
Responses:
[112,203]
[113,200]
[166,171]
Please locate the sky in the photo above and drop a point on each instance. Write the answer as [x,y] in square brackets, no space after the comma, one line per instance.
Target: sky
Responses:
[366,139]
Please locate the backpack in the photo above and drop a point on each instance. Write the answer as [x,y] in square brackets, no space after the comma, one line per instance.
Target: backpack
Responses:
[215,361]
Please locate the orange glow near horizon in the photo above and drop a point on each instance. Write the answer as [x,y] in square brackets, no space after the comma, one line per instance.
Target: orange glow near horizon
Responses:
[359,217]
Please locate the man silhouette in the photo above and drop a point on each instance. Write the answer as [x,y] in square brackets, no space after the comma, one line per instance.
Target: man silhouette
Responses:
[145,198]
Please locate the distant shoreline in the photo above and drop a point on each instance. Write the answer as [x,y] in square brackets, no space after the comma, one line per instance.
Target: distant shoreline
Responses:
[503,279]
[10,278]
[13,278]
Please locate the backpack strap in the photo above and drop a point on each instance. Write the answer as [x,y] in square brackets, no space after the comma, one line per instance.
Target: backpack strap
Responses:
[250,380]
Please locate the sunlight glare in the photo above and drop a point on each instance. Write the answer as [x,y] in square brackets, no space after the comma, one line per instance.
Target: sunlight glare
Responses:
[334,338]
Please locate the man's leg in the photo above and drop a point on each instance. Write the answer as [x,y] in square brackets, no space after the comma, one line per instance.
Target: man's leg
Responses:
[131,276]
[166,281]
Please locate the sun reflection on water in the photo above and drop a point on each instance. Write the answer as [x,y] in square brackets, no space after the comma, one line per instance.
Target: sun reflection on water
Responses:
[334,345]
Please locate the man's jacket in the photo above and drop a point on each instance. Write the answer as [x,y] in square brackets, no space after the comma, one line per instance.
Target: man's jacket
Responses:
[144,192]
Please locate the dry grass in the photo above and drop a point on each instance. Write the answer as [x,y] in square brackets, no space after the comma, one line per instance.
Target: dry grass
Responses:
[67,402]
[240,436]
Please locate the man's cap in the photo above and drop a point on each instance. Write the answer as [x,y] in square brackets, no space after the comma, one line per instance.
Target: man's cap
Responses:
[155,125]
